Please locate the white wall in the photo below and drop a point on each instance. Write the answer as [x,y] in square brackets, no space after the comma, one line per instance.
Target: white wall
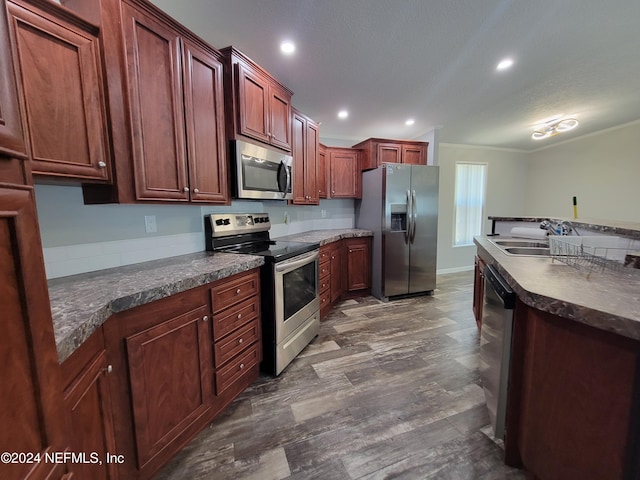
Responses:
[602,170]
[506,181]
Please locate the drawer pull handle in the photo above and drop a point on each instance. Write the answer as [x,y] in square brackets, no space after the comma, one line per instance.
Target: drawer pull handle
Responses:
[242,366]
[239,341]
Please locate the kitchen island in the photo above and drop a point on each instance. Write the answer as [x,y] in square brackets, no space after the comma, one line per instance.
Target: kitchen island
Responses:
[574,394]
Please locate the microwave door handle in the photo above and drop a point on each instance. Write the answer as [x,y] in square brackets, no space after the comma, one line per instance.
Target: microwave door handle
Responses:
[287,169]
[283,168]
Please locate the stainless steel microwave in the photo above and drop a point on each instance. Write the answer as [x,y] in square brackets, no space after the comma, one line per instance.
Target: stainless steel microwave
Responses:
[261,173]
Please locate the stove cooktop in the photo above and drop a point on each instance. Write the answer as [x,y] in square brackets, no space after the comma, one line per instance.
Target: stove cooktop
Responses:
[274,250]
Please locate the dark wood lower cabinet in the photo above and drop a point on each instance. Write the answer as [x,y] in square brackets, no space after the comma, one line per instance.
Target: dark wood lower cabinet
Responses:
[345,271]
[87,398]
[573,399]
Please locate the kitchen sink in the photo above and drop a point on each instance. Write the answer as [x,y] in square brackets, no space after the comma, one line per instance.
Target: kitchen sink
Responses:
[521,243]
[543,252]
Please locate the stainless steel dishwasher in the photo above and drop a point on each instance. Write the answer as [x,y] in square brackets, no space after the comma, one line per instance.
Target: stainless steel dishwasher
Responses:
[495,346]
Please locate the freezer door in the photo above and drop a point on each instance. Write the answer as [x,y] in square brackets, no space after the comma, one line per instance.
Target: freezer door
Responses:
[424,229]
[396,223]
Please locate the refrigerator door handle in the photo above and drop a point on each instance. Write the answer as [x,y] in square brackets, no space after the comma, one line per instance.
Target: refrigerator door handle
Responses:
[414,215]
[407,232]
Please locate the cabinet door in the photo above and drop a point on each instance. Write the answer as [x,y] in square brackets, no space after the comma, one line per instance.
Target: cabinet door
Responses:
[298,149]
[336,271]
[11,136]
[344,174]
[358,264]
[279,118]
[31,394]
[323,167]
[389,153]
[204,114]
[156,103]
[88,399]
[170,371]
[58,68]
[311,164]
[253,104]
[414,154]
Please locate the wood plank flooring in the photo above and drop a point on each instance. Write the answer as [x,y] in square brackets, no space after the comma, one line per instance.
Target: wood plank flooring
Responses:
[386,390]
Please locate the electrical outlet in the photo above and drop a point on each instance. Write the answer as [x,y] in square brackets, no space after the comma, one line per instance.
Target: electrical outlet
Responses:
[150,225]
[323,212]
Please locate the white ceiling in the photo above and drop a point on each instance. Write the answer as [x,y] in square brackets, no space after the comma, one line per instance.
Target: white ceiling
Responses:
[434,60]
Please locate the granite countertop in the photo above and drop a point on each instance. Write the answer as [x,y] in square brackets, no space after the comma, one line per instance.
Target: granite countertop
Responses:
[610,227]
[606,300]
[81,303]
[324,237]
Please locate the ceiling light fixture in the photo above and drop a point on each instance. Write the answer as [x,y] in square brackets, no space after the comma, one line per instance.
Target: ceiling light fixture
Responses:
[504,64]
[287,47]
[554,127]
[410,122]
[343,114]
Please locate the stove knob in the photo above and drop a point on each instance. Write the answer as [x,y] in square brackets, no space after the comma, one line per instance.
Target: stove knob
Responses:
[227,221]
[266,219]
[219,222]
[257,220]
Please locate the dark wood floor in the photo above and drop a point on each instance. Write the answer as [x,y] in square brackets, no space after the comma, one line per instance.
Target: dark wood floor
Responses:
[386,390]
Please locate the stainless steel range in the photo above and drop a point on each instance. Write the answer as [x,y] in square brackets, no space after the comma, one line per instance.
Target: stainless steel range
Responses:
[288,281]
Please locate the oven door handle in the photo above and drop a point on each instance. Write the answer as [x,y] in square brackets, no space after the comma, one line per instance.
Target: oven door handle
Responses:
[288,266]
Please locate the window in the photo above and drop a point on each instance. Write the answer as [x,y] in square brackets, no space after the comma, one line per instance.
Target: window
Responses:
[469,202]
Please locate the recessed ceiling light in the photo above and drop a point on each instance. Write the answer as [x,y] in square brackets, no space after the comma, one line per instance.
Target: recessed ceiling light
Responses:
[343,114]
[505,64]
[411,121]
[287,47]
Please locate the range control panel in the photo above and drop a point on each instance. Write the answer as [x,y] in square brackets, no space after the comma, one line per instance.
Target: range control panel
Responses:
[225,224]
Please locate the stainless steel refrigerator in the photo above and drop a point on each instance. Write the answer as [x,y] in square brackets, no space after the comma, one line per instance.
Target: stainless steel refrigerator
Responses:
[400,205]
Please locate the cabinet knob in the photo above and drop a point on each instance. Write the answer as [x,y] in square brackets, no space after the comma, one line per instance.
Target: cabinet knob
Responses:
[109,369]
[239,341]
[333,192]
[102,165]
[350,251]
[205,318]
[241,366]
[195,190]
[239,316]
[237,291]
[185,189]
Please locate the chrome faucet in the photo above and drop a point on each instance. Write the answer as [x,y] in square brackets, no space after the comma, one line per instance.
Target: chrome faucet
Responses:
[563,227]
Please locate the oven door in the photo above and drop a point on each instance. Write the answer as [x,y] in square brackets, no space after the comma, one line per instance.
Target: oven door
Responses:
[296,293]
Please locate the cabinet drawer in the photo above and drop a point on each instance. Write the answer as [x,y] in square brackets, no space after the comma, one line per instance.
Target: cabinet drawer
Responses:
[230,373]
[325,282]
[234,289]
[325,268]
[325,298]
[325,254]
[227,321]
[233,344]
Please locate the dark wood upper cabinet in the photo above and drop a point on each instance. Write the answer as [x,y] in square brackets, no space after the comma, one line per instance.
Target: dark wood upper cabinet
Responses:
[12,141]
[376,151]
[344,173]
[323,168]
[257,105]
[58,68]
[305,141]
[31,402]
[165,90]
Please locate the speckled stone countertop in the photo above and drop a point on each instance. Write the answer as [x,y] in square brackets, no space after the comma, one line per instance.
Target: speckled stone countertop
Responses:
[81,303]
[606,300]
[327,236]
[614,227]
